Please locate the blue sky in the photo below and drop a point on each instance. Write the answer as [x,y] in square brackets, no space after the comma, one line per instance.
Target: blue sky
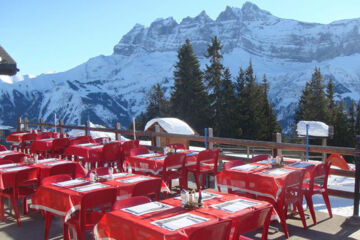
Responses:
[56,35]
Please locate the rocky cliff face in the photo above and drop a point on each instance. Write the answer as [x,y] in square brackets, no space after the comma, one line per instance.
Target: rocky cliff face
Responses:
[113,88]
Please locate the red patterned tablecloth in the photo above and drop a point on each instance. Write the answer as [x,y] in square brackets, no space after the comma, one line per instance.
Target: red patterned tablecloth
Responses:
[7,175]
[91,152]
[122,225]
[8,152]
[15,137]
[42,145]
[62,201]
[46,164]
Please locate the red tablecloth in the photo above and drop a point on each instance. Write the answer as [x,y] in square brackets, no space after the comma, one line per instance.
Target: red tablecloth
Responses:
[91,152]
[62,201]
[7,176]
[42,145]
[7,153]
[47,165]
[122,225]
[154,164]
[15,137]
[254,181]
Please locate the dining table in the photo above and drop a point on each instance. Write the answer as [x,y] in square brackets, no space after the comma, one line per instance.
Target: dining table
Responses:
[167,219]
[90,153]
[42,145]
[260,178]
[9,152]
[63,198]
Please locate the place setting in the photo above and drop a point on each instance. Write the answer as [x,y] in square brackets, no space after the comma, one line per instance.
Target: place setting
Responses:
[150,207]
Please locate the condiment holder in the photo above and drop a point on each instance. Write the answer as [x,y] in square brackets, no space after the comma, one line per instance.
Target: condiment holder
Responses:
[190,200]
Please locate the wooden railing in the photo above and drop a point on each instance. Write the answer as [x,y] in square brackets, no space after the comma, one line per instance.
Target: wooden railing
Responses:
[209,141]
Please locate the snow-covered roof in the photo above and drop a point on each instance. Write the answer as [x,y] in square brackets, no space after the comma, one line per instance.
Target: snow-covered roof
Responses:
[2,127]
[171,125]
[94,134]
[316,129]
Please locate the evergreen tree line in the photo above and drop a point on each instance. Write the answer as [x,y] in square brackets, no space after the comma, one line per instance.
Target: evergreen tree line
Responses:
[317,103]
[210,98]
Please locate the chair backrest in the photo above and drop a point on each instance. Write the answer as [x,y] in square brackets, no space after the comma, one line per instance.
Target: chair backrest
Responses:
[338,160]
[209,156]
[17,158]
[45,135]
[2,148]
[259,158]
[102,198]
[129,202]
[217,231]
[60,144]
[28,138]
[293,186]
[26,177]
[233,163]
[174,161]
[65,168]
[127,146]
[139,150]
[56,178]
[319,175]
[5,162]
[82,139]
[148,187]
[176,145]
[111,152]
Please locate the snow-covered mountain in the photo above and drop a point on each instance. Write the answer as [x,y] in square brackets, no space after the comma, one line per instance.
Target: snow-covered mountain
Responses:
[113,88]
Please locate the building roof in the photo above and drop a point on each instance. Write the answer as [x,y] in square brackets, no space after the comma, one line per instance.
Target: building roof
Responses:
[7,64]
[316,129]
[171,125]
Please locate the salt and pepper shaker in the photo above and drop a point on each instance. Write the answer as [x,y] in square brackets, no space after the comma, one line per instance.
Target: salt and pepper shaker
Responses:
[36,158]
[92,177]
[269,161]
[111,171]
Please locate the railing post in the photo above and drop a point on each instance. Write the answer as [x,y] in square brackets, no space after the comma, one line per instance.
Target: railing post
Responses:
[26,127]
[211,134]
[324,143]
[18,128]
[248,152]
[157,138]
[276,151]
[117,135]
[357,177]
[87,132]
[61,129]
[42,129]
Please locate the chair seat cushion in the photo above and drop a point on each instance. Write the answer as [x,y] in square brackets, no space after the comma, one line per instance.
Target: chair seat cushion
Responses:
[316,189]
[92,218]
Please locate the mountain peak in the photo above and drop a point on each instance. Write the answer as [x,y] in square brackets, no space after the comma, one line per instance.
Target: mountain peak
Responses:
[251,12]
[229,14]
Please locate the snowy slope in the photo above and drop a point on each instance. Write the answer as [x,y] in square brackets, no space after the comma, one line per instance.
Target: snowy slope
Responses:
[113,88]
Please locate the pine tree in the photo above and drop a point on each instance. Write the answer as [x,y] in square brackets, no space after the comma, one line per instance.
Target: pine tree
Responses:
[351,124]
[357,123]
[189,100]
[212,78]
[341,129]
[332,104]
[313,103]
[158,104]
[226,123]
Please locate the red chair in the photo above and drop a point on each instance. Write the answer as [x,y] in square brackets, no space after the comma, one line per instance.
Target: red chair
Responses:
[126,147]
[259,158]
[45,135]
[320,172]
[206,163]
[48,216]
[59,145]
[138,151]
[176,146]
[27,139]
[85,220]
[24,185]
[129,202]
[111,154]
[174,168]
[251,222]
[215,231]
[292,193]
[338,161]
[148,187]
[64,168]
[2,148]
[82,139]
[17,158]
